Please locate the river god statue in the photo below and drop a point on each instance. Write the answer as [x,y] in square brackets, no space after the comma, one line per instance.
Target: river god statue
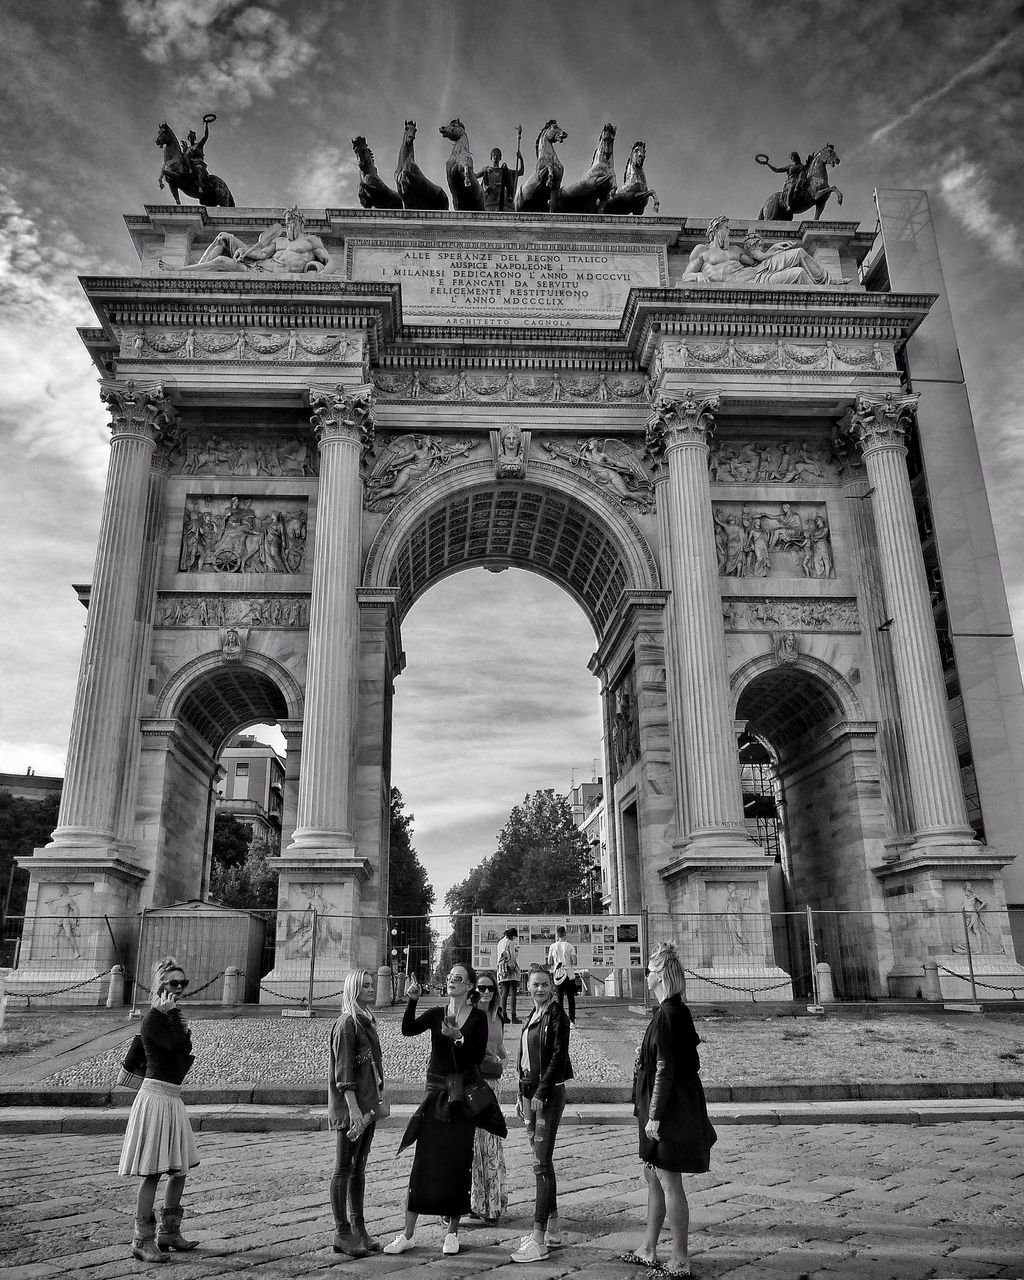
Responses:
[289,248]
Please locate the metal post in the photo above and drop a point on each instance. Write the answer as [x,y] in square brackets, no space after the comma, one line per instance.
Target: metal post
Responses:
[816,1007]
[133,1011]
[970,957]
[645,951]
[312,961]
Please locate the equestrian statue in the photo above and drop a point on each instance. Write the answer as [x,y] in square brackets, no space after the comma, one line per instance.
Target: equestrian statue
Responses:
[806,186]
[592,192]
[414,187]
[541,191]
[634,193]
[374,192]
[184,167]
[467,193]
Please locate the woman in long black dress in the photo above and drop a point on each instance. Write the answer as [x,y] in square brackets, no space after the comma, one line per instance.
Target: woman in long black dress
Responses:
[442,1168]
[676,1135]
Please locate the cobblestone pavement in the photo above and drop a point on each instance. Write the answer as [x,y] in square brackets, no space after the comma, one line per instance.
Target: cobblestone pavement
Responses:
[850,1201]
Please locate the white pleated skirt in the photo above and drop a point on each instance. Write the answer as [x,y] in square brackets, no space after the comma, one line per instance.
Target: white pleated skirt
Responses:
[159,1138]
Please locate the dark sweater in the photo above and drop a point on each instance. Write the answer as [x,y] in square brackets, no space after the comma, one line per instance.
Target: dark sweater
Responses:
[168,1045]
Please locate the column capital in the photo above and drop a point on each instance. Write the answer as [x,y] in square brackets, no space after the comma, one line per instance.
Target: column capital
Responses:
[341,413]
[684,419]
[881,422]
[141,413]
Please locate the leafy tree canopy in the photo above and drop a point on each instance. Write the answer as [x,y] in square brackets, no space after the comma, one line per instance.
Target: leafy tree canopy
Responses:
[249,882]
[410,893]
[541,860]
[24,825]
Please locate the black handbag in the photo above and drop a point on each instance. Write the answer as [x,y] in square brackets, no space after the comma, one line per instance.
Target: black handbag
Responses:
[478,1097]
[133,1069]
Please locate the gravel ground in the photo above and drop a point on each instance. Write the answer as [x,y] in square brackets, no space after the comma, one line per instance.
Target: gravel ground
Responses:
[277,1050]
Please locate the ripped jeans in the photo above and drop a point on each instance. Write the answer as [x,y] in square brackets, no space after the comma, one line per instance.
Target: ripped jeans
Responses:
[542,1129]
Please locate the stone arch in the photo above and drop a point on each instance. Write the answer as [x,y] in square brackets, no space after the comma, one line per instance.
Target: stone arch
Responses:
[215,697]
[550,522]
[829,694]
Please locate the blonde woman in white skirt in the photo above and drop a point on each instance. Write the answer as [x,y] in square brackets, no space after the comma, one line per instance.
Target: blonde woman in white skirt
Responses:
[159,1137]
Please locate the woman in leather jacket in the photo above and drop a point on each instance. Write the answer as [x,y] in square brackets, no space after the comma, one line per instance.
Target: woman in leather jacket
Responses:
[544,1067]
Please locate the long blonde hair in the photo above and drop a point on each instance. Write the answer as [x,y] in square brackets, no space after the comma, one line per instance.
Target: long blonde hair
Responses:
[665,960]
[350,1006]
[161,969]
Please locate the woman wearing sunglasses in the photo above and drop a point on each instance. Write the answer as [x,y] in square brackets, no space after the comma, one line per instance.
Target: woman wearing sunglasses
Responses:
[159,1137]
[441,1174]
[489,1198]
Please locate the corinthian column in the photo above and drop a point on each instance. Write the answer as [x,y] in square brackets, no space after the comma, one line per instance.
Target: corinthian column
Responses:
[343,423]
[679,431]
[880,426]
[101,729]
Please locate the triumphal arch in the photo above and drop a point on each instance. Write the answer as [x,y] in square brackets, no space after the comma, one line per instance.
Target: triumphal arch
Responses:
[745,450]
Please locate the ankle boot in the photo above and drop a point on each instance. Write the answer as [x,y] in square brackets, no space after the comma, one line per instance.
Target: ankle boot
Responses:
[144,1241]
[169,1236]
[367,1241]
[349,1241]
[357,1191]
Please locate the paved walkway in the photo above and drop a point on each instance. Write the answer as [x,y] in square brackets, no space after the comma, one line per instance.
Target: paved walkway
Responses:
[790,1201]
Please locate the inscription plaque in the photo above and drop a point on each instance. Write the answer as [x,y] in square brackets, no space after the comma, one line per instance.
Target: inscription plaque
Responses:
[537,286]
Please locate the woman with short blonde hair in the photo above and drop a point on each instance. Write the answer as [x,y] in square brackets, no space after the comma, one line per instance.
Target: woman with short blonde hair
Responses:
[676,1135]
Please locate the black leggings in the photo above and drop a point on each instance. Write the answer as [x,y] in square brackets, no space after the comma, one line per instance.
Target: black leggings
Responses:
[348,1182]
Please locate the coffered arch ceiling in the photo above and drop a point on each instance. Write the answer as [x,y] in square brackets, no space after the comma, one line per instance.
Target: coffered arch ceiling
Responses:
[783,704]
[519,525]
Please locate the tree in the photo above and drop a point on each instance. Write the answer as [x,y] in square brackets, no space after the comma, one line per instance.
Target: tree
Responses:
[540,862]
[250,882]
[24,825]
[231,840]
[410,893]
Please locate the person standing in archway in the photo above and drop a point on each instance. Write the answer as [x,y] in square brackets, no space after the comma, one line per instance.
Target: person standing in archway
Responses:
[508,971]
[562,961]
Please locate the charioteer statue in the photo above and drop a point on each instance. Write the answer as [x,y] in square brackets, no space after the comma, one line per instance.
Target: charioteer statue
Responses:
[499,181]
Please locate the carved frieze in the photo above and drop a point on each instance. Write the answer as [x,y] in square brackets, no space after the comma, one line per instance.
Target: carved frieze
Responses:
[243,535]
[544,386]
[746,614]
[243,344]
[789,541]
[396,467]
[783,354]
[277,611]
[612,464]
[779,460]
[210,453]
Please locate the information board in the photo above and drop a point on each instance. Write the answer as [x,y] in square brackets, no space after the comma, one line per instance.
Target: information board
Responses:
[602,943]
[549,286]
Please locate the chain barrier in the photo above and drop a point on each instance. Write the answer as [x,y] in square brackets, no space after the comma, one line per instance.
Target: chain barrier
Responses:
[751,991]
[978,982]
[188,995]
[280,995]
[57,991]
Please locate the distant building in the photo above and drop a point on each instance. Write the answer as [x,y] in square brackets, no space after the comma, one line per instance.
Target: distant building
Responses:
[589,815]
[252,786]
[30,785]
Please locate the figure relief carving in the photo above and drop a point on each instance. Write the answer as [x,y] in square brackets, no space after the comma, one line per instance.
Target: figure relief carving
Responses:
[625,727]
[612,465]
[318,916]
[343,412]
[233,641]
[215,454]
[284,247]
[972,928]
[246,536]
[781,544]
[551,386]
[758,263]
[786,461]
[405,462]
[511,453]
[784,647]
[740,614]
[239,611]
[141,412]
[67,923]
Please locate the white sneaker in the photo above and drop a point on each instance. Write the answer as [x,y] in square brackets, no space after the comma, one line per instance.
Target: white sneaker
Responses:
[530,1251]
[451,1243]
[400,1243]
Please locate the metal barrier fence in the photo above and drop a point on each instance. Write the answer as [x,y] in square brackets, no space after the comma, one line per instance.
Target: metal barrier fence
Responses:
[298,958]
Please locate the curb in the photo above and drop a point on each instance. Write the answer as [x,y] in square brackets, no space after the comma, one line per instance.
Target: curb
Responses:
[246,1118]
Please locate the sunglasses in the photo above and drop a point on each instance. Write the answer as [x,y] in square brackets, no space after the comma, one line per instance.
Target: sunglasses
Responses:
[177,984]
[490,990]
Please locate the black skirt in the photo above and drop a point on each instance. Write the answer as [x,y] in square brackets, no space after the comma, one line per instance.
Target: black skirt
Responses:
[442,1168]
[690,1151]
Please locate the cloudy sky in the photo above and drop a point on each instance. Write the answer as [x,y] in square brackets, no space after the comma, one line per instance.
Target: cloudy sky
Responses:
[496,699]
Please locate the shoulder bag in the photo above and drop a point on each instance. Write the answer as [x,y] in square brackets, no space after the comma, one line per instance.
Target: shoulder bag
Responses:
[133,1069]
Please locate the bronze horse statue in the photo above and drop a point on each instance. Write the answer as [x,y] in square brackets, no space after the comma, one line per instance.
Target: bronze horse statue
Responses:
[541,191]
[374,192]
[812,189]
[634,193]
[467,193]
[592,192]
[180,176]
[414,187]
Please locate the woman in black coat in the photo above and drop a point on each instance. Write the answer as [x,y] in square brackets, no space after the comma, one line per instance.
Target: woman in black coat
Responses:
[676,1135]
